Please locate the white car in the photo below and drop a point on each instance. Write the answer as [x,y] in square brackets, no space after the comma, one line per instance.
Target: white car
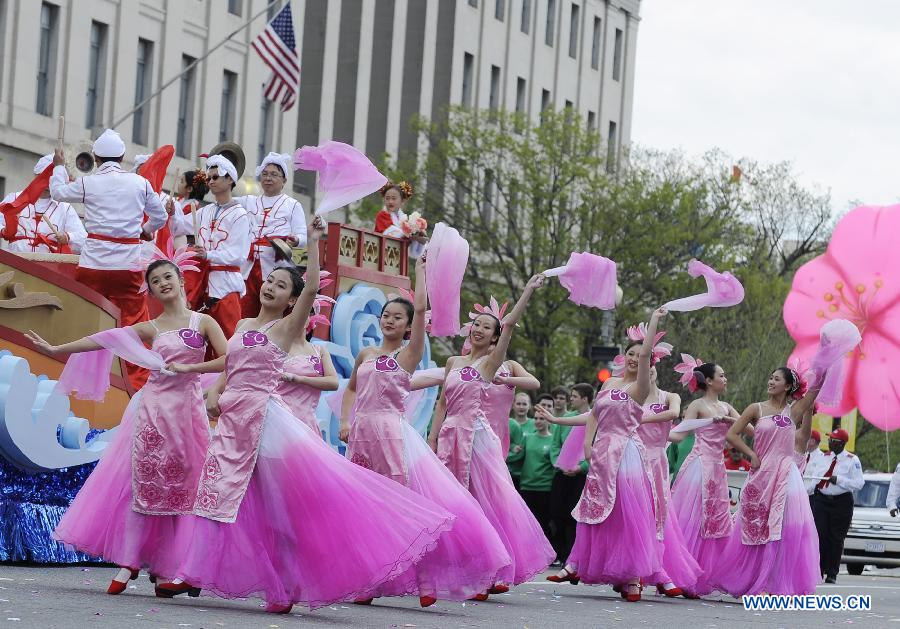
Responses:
[874,536]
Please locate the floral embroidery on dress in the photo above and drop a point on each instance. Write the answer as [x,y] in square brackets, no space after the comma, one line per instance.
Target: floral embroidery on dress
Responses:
[172,471]
[254,339]
[149,493]
[617,395]
[178,500]
[191,338]
[386,363]
[470,374]
[146,468]
[361,460]
[656,409]
[150,437]
[316,362]
[782,421]
[755,521]
[207,499]
[211,470]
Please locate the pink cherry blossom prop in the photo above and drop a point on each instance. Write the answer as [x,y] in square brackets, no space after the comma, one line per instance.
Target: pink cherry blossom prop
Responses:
[856,280]
[345,174]
[448,256]
[590,280]
[722,290]
[686,369]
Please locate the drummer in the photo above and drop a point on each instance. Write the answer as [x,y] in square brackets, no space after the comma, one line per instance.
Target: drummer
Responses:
[272,215]
[46,226]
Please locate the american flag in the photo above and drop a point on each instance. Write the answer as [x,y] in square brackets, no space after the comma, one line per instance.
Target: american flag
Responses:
[278,50]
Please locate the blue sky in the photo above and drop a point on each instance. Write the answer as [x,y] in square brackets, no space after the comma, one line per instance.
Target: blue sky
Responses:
[813,82]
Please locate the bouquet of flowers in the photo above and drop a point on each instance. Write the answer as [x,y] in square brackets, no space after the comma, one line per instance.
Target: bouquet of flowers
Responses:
[414,225]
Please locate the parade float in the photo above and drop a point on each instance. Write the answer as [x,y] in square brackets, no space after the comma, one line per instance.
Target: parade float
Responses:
[50,442]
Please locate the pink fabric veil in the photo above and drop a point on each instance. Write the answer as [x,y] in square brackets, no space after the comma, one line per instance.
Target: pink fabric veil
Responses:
[87,373]
[345,174]
[836,339]
[590,280]
[722,290]
[572,451]
[448,255]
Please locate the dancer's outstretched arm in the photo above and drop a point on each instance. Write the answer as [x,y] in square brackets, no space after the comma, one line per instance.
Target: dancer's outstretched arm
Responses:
[410,355]
[498,354]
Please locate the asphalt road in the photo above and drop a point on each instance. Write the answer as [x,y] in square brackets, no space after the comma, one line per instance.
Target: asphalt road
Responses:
[75,597]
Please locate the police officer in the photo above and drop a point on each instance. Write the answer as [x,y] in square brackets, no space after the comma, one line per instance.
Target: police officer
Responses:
[832,500]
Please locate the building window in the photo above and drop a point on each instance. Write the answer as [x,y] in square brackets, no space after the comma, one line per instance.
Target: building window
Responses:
[520,95]
[234,6]
[468,70]
[473,3]
[226,113]
[273,10]
[595,44]
[591,121]
[46,74]
[569,105]
[96,76]
[184,129]
[551,22]
[142,83]
[266,115]
[494,103]
[611,148]
[545,100]
[500,10]
[574,18]
[525,26]
[617,56]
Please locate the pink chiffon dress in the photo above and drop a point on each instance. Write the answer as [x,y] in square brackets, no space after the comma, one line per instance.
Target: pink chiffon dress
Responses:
[302,399]
[679,565]
[701,502]
[498,402]
[471,451]
[128,510]
[468,559]
[618,531]
[774,540]
[283,516]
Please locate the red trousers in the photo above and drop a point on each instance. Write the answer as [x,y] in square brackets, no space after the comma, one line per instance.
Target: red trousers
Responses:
[250,300]
[121,288]
[227,313]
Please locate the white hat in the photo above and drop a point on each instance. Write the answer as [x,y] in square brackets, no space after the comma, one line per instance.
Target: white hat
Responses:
[282,160]
[222,163]
[42,163]
[139,161]
[109,144]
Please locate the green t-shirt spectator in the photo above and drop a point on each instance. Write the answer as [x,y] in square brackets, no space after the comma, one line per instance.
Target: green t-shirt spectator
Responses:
[677,453]
[537,470]
[517,433]
[560,433]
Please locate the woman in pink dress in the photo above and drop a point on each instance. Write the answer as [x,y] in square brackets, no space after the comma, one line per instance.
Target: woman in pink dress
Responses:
[701,502]
[282,515]
[470,558]
[774,541]
[466,444]
[129,509]
[625,483]
[308,371]
[500,395]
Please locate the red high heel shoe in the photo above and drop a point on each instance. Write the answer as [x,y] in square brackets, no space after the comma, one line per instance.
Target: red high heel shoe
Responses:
[570,577]
[498,588]
[363,601]
[274,608]
[427,601]
[117,587]
[672,592]
[480,597]
[170,590]
[629,595]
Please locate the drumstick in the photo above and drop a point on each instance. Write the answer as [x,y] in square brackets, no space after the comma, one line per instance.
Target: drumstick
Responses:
[60,136]
[51,226]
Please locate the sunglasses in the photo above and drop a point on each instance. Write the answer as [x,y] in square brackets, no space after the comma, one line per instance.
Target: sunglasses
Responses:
[213,177]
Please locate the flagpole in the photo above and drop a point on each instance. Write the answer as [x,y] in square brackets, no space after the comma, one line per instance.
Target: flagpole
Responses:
[190,67]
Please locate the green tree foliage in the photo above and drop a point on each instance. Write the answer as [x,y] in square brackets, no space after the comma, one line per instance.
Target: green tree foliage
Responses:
[527,195]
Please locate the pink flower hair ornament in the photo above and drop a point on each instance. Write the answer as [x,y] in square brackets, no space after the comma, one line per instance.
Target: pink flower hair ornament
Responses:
[801,378]
[493,308]
[183,259]
[324,279]
[637,333]
[688,370]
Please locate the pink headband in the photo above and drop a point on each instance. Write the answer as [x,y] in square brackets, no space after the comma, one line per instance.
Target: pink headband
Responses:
[493,309]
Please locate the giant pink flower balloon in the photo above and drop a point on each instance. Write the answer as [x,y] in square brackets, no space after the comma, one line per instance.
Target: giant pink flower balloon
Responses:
[858,279]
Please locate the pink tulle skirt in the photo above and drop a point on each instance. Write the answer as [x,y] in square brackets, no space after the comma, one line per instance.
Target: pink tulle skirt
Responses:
[469,558]
[492,486]
[101,521]
[624,546]
[685,508]
[313,527]
[679,566]
[786,566]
